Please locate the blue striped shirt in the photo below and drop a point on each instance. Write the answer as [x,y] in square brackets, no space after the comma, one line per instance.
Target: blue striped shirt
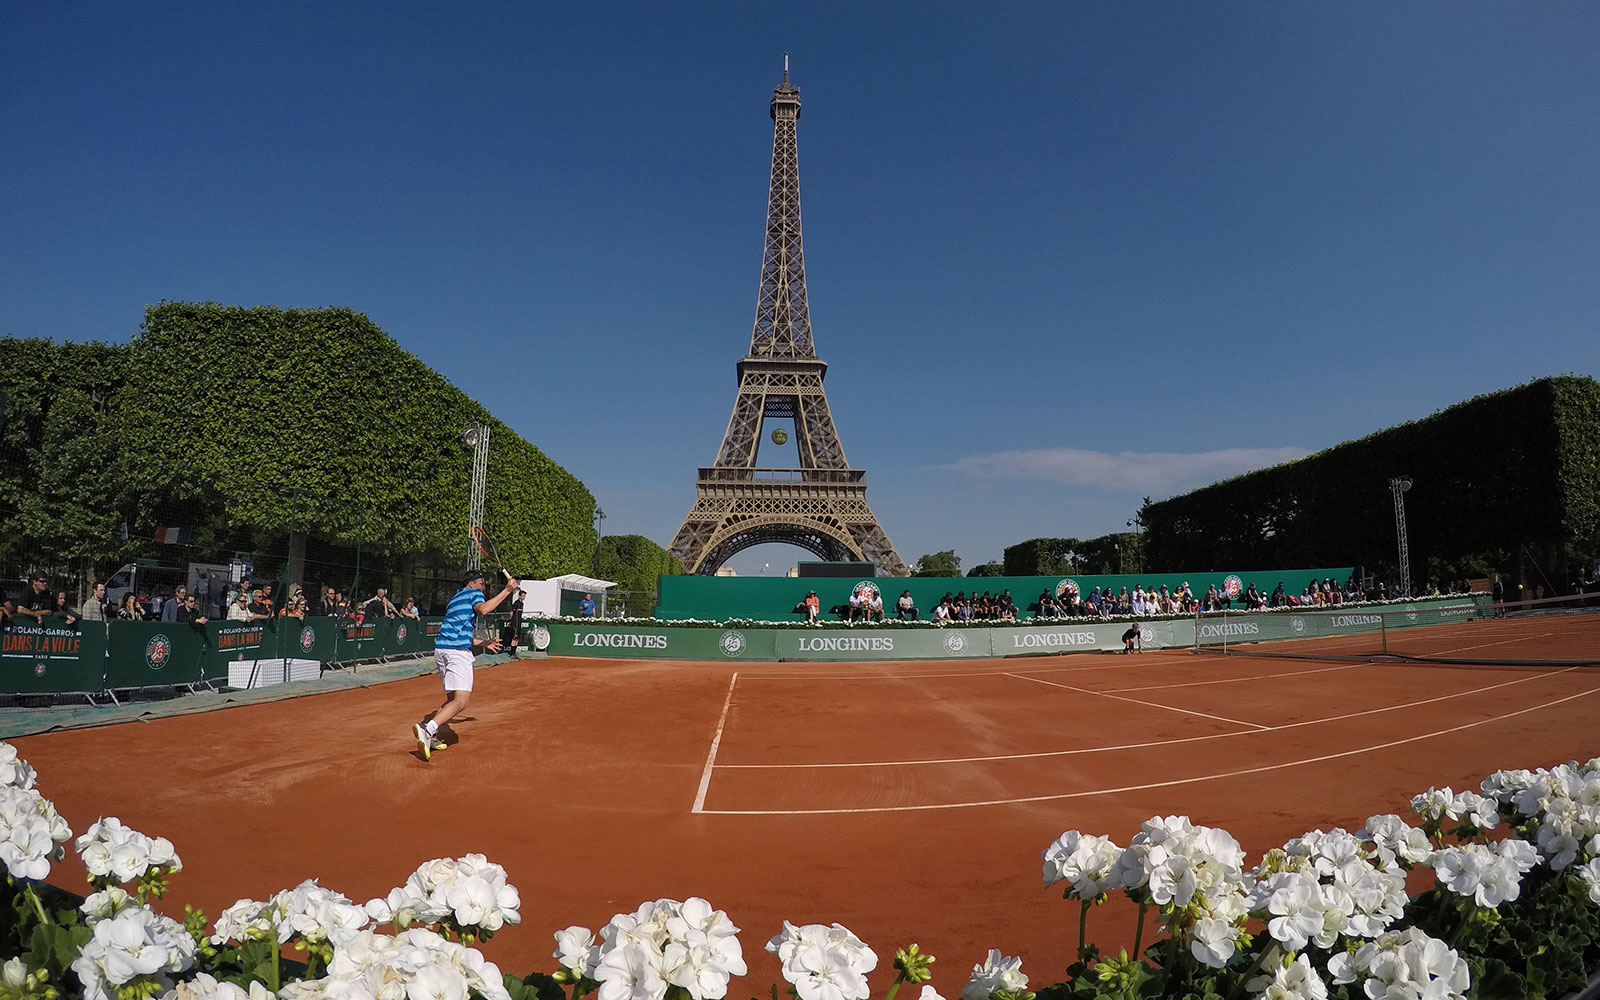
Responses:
[455,632]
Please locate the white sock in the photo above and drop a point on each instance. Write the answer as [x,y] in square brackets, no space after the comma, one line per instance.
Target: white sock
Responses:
[431,727]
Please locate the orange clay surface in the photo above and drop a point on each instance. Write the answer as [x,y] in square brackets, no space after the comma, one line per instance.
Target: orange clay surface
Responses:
[908,801]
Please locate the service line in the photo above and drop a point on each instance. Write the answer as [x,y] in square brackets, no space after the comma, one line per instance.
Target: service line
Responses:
[1136,701]
[1154,784]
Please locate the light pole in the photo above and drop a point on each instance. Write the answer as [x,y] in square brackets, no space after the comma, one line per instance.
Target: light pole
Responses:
[476,435]
[1398,487]
[599,526]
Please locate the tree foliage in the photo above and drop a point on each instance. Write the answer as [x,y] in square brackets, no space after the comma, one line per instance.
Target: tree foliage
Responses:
[987,569]
[945,563]
[1509,472]
[635,564]
[240,421]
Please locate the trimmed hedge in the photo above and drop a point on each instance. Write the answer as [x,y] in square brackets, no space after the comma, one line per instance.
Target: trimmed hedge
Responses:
[1511,472]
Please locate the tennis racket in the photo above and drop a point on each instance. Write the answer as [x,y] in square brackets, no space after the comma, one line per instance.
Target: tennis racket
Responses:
[486,545]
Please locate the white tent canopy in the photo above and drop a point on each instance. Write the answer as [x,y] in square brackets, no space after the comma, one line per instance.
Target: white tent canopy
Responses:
[543,597]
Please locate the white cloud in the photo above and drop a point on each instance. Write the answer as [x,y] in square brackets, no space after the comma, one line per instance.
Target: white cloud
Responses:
[1148,472]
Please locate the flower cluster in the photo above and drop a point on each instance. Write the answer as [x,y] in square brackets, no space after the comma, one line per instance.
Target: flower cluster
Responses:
[1490,875]
[1402,965]
[1325,885]
[1088,862]
[1559,808]
[116,855]
[14,771]
[31,831]
[469,895]
[1196,875]
[316,917]
[205,986]
[135,947]
[824,962]
[661,944]
[415,963]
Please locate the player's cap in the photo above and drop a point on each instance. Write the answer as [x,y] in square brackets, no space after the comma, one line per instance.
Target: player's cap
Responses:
[472,575]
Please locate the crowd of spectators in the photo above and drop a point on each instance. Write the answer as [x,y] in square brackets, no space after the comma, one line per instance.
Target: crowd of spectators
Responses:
[244,602]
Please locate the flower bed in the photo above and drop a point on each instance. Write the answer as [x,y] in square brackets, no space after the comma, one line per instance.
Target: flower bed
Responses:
[1514,912]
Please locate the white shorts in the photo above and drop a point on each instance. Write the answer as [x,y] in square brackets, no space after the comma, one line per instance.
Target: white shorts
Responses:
[455,667]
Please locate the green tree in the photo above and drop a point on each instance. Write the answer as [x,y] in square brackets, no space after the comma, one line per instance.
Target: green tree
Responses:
[635,564]
[945,563]
[987,569]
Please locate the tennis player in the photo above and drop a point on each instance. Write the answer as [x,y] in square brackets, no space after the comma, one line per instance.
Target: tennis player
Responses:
[453,652]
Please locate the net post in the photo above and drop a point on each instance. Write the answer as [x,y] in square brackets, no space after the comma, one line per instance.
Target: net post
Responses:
[1383,632]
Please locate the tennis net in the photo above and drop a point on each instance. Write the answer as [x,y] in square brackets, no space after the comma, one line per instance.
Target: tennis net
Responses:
[1562,631]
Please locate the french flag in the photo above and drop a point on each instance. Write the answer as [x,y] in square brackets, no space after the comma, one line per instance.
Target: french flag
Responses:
[173,536]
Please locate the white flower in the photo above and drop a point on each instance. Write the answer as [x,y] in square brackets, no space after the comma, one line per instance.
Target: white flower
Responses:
[1088,862]
[929,993]
[1392,834]
[631,972]
[416,964]
[575,950]
[1297,909]
[136,943]
[106,903]
[207,987]
[1480,872]
[15,771]
[1295,980]
[14,973]
[998,972]
[1589,875]
[1481,812]
[1434,804]
[471,890]
[31,833]
[825,974]
[437,982]
[1404,964]
[117,853]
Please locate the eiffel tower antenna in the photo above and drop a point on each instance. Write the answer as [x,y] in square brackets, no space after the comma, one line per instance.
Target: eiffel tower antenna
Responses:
[822,505]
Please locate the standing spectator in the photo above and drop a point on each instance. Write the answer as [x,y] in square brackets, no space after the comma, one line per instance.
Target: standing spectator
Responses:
[38,602]
[330,602]
[180,599]
[242,588]
[409,609]
[258,608]
[188,614]
[62,608]
[378,606]
[266,598]
[511,637]
[905,607]
[586,606]
[94,606]
[128,610]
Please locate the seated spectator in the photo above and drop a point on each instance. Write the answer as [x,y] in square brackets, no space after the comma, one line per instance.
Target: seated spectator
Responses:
[812,606]
[941,612]
[905,607]
[875,606]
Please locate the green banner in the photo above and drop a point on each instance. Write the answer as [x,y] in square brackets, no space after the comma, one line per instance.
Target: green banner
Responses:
[880,644]
[149,654]
[664,643]
[52,656]
[358,641]
[308,638]
[235,640]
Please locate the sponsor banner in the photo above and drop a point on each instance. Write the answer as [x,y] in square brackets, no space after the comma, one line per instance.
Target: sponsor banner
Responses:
[53,656]
[357,641]
[647,643]
[144,654]
[881,644]
[232,641]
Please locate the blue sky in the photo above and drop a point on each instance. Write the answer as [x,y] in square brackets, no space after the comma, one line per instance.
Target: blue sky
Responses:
[1060,256]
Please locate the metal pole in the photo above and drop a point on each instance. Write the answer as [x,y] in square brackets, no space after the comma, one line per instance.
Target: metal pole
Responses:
[1398,486]
[476,435]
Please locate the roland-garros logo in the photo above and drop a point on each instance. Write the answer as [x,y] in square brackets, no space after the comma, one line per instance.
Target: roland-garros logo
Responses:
[157,651]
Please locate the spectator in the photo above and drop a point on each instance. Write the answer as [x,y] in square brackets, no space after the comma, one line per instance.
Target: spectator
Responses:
[875,605]
[94,606]
[258,607]
[330,602]
[239,610]
[964,612]
[295,607]
[266,599]
[38,602]
[858,604]
[127,610]
[409,609]
[941,611]
[378,606]
[188,613]
[905,607]
[180,599]
[62,609]
[813,606]
[242,588]
[586,606]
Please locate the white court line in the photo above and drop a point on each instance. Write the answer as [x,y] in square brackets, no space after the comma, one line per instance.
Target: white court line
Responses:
[1010,662]
[1236,680]
[1136,701]
[711,756]
[1497,642]
[1152,784]
[1151,743]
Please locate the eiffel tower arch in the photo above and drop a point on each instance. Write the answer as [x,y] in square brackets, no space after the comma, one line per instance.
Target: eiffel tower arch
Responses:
[821,506]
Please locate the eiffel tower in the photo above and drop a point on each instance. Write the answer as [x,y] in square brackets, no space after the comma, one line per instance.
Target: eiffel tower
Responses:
[821,506]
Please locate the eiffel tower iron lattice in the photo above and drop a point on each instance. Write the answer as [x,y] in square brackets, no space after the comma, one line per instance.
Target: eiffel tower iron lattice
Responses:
[822,505]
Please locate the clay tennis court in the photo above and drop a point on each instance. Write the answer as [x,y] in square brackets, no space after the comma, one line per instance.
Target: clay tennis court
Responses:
[909,801]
